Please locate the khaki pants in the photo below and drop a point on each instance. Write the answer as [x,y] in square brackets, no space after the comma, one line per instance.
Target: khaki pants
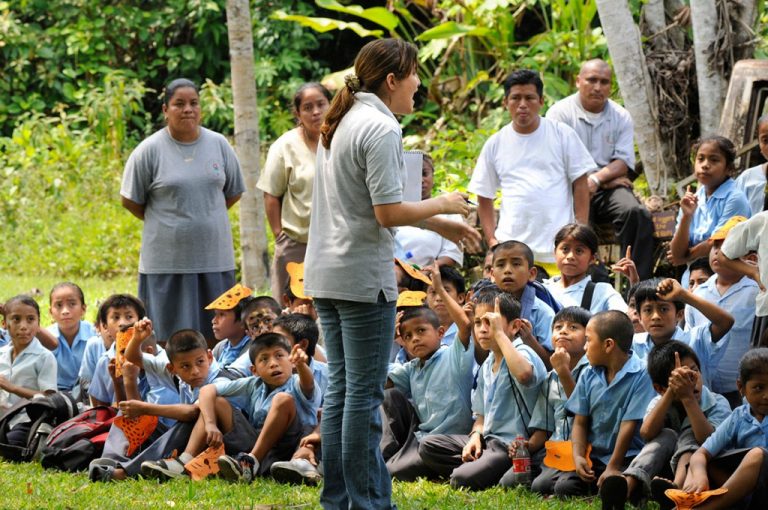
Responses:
[286,250]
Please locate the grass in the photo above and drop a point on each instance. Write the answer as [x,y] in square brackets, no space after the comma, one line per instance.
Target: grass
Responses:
[29,486]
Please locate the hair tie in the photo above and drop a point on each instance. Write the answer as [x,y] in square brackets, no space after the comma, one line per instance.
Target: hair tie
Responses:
[352,82]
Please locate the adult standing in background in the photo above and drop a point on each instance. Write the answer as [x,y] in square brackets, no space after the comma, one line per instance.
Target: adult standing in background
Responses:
[358,194]
[180,182]
[287,182]
[606,129]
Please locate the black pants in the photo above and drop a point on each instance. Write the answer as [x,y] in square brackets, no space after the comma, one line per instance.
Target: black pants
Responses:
[399,444]
[632,222]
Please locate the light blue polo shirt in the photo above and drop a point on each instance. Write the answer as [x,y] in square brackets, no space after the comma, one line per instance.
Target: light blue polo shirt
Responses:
[712,213]
[541,318]
[448,337]
[94,348]
[714,406]
[254,396]
[604,297]
[4,337]
[549,413]
[34,369]
[506,409]
[607,405]
[102,388]
[320,373]
[439,388]
[752,183]
[699,339]
[226,353]
[739,430]
[188,394]
[739,301]
[69,357]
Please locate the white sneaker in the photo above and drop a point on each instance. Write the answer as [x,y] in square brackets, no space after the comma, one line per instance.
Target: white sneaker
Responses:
[296,471]
[163,469]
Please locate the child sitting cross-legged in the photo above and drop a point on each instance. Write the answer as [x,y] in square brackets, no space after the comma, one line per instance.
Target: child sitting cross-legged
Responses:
[507,388]
[281,408]
[228,325]
[608,402]
[734,457]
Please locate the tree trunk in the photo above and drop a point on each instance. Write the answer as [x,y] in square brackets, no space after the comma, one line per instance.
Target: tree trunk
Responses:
[711,83]
[624,45]
[253,240]
[745,29]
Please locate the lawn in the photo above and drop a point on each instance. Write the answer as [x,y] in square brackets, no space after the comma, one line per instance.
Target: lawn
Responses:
[28,486]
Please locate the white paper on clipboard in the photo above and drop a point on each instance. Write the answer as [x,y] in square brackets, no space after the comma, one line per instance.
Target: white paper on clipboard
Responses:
[413,163]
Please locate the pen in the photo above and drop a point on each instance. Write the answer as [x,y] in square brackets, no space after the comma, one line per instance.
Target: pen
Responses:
[470,202]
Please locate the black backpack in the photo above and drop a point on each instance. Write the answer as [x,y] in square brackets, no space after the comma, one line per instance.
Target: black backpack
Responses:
[44,413]
[75,443]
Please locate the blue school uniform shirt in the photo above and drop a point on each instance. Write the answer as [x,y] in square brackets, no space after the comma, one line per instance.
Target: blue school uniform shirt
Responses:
[188,394]
[229,353]
[604,297]
[3,337]
[607,405]
[320,374]
[714,406]
[712,213]
[541,318]
[549,413]
[739,430]
[739,301]
[254,396]
[69,357]
[439,388]
[506,409]
[102,388]
[448,338]
[699,339]
[160,386]
[94,348]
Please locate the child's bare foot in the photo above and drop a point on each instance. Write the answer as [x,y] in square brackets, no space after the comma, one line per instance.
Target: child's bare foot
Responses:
[658,486]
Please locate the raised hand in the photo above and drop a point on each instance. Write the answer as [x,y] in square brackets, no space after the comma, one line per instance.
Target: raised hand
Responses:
[670,290]
[560,360]
[627,267]
[689,202]
[298,356]
[142,329]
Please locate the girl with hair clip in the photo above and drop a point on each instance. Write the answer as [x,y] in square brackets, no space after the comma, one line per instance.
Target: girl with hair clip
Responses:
[358,192]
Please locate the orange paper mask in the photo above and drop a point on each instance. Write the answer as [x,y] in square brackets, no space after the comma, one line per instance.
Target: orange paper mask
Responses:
[207,463]
[137,430]
[296,273]
[686,501]
[230,298]
[122,339]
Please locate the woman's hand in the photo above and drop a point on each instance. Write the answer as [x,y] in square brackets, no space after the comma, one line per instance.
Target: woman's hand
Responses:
[454,203]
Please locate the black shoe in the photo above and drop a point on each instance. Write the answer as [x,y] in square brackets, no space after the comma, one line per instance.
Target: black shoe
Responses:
[613,492]
[658,487]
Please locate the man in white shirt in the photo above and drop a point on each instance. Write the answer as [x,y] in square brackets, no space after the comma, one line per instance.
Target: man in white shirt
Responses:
[541,167]
[606,129]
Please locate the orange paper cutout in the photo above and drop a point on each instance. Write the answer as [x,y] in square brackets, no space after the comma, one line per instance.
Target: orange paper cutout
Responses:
[296,273]
[207,463]
[137,430]
[685,500]
[122,339]
[413,272]
[560,455]
[230,298]
[411,298]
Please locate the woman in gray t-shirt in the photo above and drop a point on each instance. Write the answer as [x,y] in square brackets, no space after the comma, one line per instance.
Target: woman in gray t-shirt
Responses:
[356,200]
[180,181]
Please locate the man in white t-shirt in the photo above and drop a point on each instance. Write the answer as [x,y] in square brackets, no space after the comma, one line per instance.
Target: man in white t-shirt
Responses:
[541,167]
[606,129]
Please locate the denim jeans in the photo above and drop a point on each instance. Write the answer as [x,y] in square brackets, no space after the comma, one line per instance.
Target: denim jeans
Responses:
[358,340]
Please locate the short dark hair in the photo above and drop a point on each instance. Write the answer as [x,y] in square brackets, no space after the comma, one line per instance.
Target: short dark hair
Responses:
[240,306]
[121,301]
[184,340]
[267,341]
[754,362]
[661,360]
[514,245]
[646,291]
[524,77]
[300,326]
[701,263]
[72,286]
[574,314]
[178,83]
[581,233]
[450,274]
[616,325]
[508,305]
[261,302]
[24,299]
[420,312]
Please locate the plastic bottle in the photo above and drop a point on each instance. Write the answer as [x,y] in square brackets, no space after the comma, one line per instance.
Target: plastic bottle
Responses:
[521,464]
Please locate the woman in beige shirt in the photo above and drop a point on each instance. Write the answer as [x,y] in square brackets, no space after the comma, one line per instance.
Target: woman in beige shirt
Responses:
[287,182]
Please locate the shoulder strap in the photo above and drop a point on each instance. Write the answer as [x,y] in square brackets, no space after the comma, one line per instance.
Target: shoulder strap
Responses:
[586,298]
[520,401]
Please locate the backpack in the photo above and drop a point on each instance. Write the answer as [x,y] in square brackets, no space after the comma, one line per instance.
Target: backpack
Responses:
[44,413]
[76,442]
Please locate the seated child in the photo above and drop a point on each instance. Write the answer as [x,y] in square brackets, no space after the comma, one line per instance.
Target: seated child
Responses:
[512,270]
[281,408]
[661,304]
[734,293]
[94,348]
[258,315]
[304,467]
[68,337]
[189,359]
[632,311]
[575,252]
[700,272]
[228,325]
[678,420]
[549,415]
[301,330]
[428,395]
[608,402]
[454,285]
[26,367]
[507,388]
[743,471]
[752,181]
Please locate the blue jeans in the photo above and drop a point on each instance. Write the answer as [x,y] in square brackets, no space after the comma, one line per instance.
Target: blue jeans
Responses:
[358,340]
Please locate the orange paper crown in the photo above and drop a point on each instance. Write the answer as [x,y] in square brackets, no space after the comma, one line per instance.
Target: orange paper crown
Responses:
[413,272]
[230,298]
[411,298]
[295,271]
[722,232]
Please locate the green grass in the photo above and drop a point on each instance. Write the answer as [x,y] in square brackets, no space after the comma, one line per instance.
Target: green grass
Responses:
[29,486]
